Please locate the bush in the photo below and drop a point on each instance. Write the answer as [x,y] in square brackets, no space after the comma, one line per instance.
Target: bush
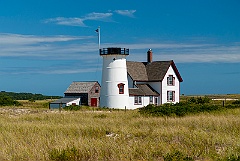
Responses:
[199,100]
[8,101]
[72,108]
[237,102]
[192,106]
[178,109]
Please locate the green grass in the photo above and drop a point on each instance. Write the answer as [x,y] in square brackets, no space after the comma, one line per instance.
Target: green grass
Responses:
[41,134]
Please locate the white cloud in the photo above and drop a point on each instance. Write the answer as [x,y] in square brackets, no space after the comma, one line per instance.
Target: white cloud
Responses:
[50,47]
[76,21]
[186,52]
[87,59]
[49,70]
[67,21]
[75,48]
[8,38]
[201,58]
[129,13]
[97,16]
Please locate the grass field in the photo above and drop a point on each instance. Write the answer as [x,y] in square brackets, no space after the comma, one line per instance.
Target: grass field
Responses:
[33,132]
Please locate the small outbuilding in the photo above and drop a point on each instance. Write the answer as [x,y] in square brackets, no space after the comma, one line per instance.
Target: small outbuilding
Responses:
[89,92]
[63,102]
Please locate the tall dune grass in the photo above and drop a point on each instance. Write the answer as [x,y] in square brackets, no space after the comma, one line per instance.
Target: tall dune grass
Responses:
[117,135]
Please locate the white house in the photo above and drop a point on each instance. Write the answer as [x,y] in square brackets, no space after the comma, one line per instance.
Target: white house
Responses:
[142,83]
[153,82]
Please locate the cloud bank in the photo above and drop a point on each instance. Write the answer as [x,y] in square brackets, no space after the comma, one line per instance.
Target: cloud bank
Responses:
[70,47]
[74,48]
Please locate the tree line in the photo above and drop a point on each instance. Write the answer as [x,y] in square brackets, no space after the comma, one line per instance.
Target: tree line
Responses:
[27,96]
[9,98]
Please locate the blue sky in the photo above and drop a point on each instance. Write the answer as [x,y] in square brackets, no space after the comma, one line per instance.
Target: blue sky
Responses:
[47,44]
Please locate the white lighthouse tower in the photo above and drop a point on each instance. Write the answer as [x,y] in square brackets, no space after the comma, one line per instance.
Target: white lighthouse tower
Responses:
[114,89]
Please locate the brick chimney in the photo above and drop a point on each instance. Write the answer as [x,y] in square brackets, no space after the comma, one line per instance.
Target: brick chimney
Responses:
[149,56]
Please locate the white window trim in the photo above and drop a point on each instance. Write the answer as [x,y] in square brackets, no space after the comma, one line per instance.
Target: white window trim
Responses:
[139,100]
[171,96]
[170,80]
[151,100]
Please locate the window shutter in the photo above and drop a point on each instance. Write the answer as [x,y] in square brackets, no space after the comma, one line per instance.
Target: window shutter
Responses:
[173,96]
[167,95]
[135,100]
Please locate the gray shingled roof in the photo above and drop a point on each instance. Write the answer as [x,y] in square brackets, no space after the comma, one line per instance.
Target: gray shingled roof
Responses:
[143,90]
[64,100]
[154,71]
[80,87]
[137,71]
[157,70]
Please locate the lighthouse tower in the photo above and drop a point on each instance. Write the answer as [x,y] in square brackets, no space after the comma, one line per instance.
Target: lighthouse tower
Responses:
[114,90]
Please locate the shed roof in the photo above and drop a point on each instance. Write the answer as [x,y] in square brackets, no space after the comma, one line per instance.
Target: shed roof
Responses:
[80,87]
[143,90]
[64,100]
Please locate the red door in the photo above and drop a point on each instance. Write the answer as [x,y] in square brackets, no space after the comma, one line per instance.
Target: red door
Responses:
[94,102]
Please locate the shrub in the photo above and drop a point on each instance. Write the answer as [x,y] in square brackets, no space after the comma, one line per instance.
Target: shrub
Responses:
[237,102]
[31,100]
[192,100]
[72,108]
[8,101]
[199,100]
[178,109]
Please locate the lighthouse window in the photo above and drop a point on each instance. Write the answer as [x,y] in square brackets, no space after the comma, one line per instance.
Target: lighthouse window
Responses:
[121,88]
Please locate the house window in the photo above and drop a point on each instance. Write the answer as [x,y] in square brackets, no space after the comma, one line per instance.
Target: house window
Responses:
[170,96]
[170,80]
[150,99]
[137,100]
[96,89]
[121,88]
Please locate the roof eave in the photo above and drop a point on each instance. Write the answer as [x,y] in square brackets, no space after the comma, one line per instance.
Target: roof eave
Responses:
[176,71]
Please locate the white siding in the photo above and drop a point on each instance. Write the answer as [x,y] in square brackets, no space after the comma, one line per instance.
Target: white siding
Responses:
[145,102]
[157,86]
[76,102]
[166,87]
[114,72]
